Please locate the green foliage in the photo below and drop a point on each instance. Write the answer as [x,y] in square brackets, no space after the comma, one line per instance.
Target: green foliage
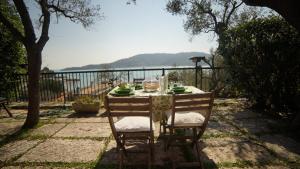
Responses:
[85,100]
[211,16]
[173,76]
[46,70]
[12,55]
[264,64]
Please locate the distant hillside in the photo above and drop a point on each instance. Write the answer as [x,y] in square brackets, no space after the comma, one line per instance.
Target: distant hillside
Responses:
[147,60]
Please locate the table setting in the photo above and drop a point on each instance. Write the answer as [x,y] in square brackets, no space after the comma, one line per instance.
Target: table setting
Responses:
[160,90]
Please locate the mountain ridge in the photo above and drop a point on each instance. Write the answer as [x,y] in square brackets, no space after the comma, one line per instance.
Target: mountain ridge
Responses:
[146,60]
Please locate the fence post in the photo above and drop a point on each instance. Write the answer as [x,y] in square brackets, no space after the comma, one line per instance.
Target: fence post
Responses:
[196,74]
[201,78]
[63,85]
[163,71]
[128,76]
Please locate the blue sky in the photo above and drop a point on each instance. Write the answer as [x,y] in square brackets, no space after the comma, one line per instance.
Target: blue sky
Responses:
[125,30]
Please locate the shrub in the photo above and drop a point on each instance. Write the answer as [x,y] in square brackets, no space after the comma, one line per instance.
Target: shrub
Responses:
[263,59]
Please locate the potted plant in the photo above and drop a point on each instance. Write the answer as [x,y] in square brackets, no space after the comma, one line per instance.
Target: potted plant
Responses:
[86,104]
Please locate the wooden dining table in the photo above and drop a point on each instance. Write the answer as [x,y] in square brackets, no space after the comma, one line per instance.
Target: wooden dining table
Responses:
[161,102]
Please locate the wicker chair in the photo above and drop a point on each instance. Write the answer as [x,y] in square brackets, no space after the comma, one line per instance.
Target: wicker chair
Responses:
[190,114]
[134,123]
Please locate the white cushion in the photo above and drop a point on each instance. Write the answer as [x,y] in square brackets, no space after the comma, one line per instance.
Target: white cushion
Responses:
[133,124]
[182,118]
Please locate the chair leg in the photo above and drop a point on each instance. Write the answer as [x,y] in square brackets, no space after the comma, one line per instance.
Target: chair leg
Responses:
[152,147]
[164,127]
[195,142]
[198,155]
[150,155]
[169,140]
[165,144]
[120,158]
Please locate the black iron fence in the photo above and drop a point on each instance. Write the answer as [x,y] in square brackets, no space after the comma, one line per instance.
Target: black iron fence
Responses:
[66,86]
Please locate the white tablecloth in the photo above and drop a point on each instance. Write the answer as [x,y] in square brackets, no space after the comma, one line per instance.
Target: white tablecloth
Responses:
[161,102]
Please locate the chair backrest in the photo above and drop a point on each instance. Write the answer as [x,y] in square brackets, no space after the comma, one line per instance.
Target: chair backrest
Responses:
[201,102]
[128,106]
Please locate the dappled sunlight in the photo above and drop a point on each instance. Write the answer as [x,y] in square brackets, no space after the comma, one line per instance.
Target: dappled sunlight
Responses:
[235,137]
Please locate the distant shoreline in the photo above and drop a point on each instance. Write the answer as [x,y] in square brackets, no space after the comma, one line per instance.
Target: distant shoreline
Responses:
[140,61]
[126,68]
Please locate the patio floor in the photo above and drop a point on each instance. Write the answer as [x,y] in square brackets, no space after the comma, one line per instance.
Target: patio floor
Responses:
[235,138]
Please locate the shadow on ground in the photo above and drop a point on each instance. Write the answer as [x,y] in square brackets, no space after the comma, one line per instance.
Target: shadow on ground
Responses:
[137,156]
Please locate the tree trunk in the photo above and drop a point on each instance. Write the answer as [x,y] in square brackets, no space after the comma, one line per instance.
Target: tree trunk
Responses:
[34,57]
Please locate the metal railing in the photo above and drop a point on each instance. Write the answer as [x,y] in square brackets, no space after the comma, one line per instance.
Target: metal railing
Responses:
[66,86]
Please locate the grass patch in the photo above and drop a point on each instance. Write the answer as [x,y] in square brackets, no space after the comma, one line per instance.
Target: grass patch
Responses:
[55,113]
[221,135]
[240,164]
[53,164]
[114,166]
[79,138]
[36,137]
[249,164]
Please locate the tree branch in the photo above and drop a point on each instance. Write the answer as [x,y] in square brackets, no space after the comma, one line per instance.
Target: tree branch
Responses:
[234,7]
[209,12]
[57,9]
[26,21]
[76,12]
[46,22]
[14,31]
[225,12]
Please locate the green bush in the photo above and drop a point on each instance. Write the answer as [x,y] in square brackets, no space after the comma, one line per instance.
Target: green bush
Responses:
[85,100]
[12,52]
[263,59]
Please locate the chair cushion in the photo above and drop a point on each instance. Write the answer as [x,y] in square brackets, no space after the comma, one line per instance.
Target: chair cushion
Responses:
[133,124]
[182,118]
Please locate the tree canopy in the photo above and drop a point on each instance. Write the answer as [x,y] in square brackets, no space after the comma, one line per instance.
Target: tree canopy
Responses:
[210,16]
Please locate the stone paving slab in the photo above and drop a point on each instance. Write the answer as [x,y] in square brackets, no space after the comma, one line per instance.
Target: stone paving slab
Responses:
[219,127]
[10,128]
[110,156]
[85,130]
[64,150]
[91,120]
[47,129]
[244,114]
[9,119]
[262,167]
[13,149]
[19,113]
[35,167]
[283,146]
[64,120]
[255,126]
[233,150]
[14,112]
